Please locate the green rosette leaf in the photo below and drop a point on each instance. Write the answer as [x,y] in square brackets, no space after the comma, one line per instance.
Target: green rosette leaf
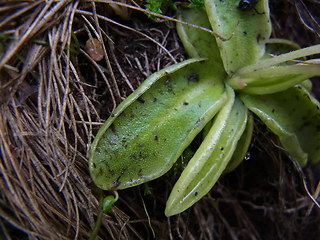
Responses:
[212,157]
[294,116]
[245,32]
[198,42]
[242,146]
[150,129]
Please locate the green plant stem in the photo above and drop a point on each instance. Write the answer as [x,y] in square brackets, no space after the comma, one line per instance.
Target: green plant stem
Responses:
[97,226]
[105,206]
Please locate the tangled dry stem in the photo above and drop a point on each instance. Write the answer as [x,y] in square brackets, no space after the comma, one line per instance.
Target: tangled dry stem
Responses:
[48,112]
[53,97]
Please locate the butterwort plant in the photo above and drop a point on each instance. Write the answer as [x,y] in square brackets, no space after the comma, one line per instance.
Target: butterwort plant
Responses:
[232,75]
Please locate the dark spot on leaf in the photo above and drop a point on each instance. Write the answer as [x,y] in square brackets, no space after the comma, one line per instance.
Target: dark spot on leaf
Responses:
[98,150]
[140,155]
[258,37]
[123,170]
[273,110]
[111,142]
[168,84]
[305,124]
[113,127]
[196,193]
[141,100]
[185,103]
[134,157]
[156,138]
[99,171]
[221,148]
[116,184]
[194,77]
[140,145]
[198,123]
[154,99]
[246,5]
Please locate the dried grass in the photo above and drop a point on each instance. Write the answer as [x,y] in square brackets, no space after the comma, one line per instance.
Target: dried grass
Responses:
[53,97]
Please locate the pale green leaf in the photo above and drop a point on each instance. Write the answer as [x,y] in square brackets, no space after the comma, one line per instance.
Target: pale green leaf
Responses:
[148,132]
[212,157]
[198,42]
[246,31]
[294,116]
[242,146]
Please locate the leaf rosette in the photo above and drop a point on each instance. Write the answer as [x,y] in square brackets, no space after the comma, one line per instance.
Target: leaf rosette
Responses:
[228,80]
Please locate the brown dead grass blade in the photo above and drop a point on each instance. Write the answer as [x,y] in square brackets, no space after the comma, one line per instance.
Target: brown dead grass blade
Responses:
[47,115]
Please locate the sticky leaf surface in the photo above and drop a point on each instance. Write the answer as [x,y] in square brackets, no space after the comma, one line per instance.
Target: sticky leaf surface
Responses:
[210,160]
[150,129]
[294,116]
[246,31]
